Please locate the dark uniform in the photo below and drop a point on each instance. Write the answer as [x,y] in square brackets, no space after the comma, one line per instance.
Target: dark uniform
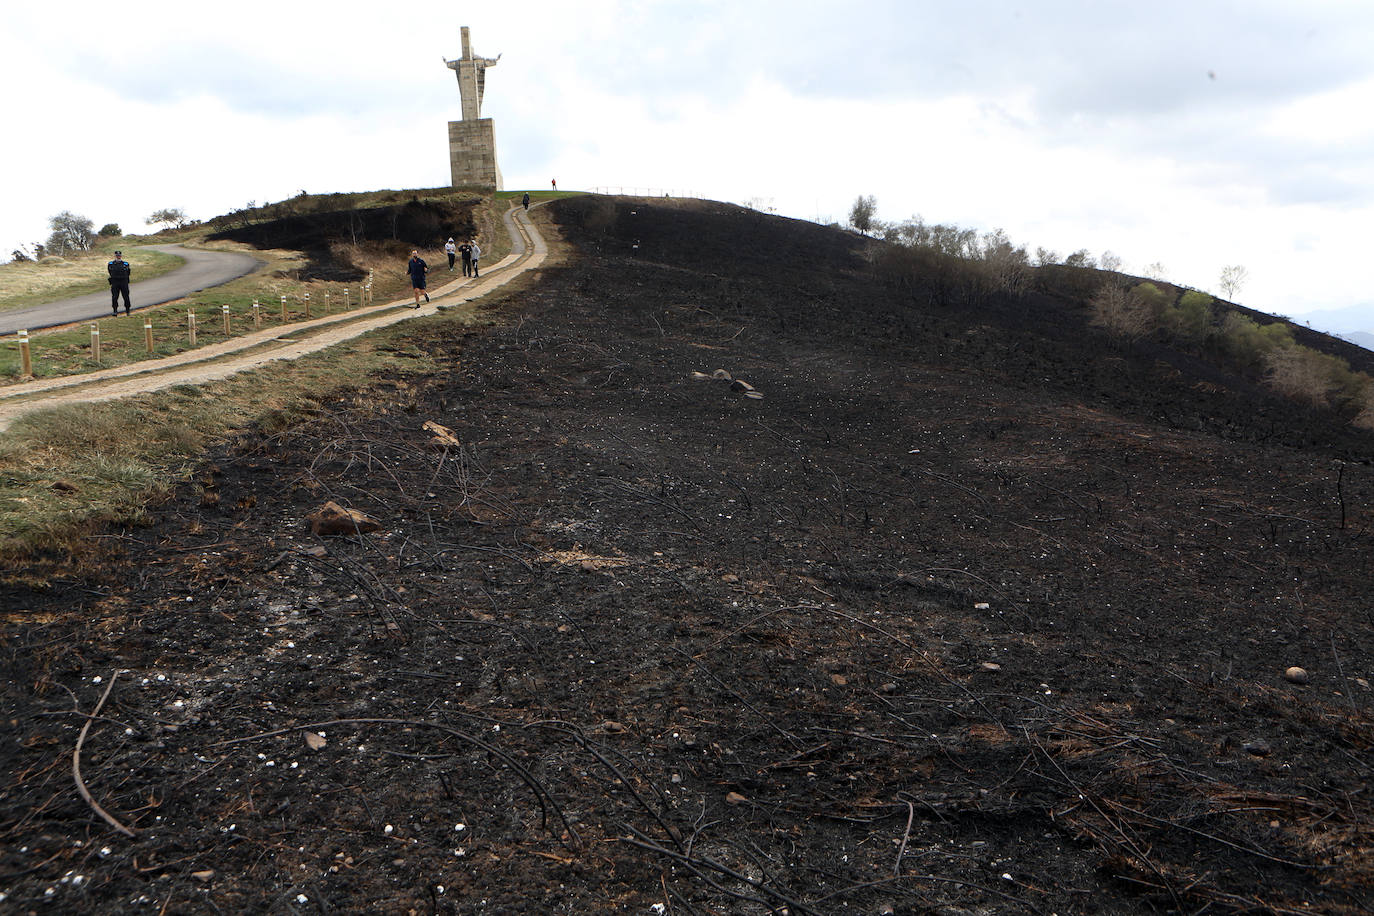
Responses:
[526,200]
[465,250]
[119,282]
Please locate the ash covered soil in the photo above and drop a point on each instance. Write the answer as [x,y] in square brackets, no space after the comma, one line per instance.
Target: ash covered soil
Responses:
[971,612]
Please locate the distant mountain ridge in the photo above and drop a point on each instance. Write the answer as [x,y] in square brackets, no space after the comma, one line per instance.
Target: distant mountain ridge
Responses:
[1360,339]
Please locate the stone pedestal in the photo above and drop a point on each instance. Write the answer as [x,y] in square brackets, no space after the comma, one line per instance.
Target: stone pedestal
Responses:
[472,154]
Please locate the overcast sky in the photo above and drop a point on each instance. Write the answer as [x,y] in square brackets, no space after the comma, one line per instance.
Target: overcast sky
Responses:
[1190,133]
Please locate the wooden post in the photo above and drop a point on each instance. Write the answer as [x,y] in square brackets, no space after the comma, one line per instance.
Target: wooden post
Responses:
[191,326]
[257,315]
[25,359]
[225,310]
[95,342]
[148,333]
[283,309]
[307,305]
[369,292]
[326,302]
[347,304]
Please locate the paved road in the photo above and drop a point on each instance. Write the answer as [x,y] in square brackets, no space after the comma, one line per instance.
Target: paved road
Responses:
[202,270]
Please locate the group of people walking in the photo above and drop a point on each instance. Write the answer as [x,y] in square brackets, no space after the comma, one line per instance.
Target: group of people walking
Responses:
[469,251]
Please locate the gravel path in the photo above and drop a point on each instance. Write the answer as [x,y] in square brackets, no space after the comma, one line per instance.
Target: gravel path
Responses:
[248,351]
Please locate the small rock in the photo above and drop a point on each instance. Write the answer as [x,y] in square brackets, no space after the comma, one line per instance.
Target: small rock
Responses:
[734,798]
[721,374]
[314,741]
[332,519]
[839,680]
[889,687]
[1362,682]
[204,875]
[1258,748]
[64,486]
[990,666]
[699,376]
[319,550]
[1296,675]
[612,727]
[729,577]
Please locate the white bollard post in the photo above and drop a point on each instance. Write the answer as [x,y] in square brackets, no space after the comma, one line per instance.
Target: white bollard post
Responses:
[95,342]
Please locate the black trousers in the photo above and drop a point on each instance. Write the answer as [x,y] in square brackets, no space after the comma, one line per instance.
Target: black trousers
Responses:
[451,256]
[467,266]
[118,287]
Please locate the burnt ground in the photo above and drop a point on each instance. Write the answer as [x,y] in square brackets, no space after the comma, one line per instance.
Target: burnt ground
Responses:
[971,612]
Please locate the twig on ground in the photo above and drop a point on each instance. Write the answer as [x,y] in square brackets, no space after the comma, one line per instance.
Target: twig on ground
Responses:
[76,764]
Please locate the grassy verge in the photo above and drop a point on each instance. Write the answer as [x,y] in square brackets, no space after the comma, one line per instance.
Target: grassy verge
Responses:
[28,283]
[65,471]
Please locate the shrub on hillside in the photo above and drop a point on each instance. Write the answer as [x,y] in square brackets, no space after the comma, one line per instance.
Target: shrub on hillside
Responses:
[1122,312]
[1319,379]
[1249,343]
[109,230]
[1191,319]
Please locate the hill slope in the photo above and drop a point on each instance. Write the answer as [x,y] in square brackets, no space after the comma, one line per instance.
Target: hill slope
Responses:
[972,611]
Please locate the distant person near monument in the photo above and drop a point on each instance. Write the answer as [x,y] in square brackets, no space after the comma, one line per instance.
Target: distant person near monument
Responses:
[554,182]
[450,249]
[417,269]
[526,200]
[465,250]
[119,282]
[476,253]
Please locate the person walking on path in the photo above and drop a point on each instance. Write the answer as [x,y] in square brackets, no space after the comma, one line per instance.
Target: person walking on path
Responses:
[451,250]
[119,282]
[476,253]
[465,250]
[417,269]
[526,200]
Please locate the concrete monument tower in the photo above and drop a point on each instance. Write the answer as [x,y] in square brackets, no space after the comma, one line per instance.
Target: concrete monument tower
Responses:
[472,141]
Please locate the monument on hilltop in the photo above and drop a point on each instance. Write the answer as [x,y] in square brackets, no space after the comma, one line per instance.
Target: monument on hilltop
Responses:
[472,141]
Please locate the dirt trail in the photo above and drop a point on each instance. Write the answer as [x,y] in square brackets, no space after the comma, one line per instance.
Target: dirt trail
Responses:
[217,361]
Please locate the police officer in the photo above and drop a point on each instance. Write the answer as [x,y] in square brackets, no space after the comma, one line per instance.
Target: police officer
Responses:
[119,282]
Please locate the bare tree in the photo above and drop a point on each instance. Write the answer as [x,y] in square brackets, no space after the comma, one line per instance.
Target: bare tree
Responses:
[861,215]
[169,217]
[1080,258]
[1109,261]
[1155,271]
[70,232]
[1232,279]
